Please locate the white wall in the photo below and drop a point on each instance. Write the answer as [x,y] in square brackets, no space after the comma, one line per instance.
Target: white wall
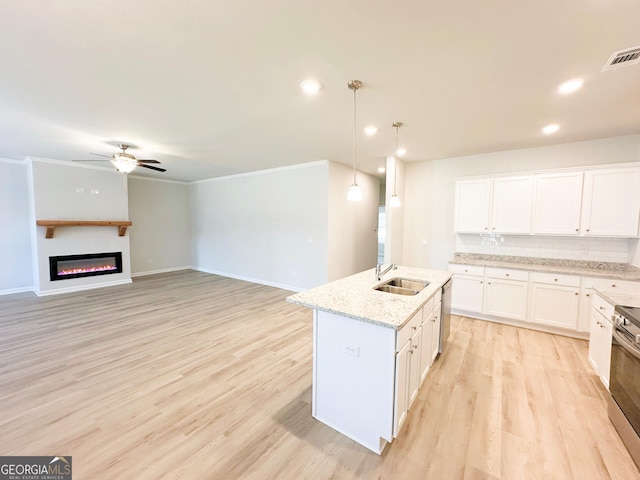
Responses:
[269,227]
[160,234]
[69,192]
[430,186]
[15,238]
[352,236]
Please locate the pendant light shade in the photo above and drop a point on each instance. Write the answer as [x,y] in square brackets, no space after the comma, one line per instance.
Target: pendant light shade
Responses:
[394,201]
[354,194]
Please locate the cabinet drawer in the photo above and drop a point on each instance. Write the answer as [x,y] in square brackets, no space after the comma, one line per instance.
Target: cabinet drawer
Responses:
[507,273]
[436,299]
[555,279]
[474,270]
[602,283]
[602,306]
[404,334]
[427,308]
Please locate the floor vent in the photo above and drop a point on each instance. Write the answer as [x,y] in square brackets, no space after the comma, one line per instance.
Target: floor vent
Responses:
[623,58]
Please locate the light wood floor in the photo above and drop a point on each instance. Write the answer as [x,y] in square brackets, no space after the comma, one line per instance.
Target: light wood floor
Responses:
[194,376]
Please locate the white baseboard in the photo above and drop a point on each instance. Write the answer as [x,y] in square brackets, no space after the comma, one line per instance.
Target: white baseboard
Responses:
[162,270]
[80,288]
[9,291]
[521,324]
[250,279]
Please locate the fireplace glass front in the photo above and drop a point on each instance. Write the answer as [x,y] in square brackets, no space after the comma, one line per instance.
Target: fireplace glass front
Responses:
[88,265]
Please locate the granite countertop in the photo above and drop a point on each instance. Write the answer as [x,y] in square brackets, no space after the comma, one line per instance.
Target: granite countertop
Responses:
[354,296]
[627,297]
[619,271]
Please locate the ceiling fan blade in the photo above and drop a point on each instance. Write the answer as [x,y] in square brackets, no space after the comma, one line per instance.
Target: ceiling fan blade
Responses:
[152,168]
[148,161]
[100,155]
[89,160]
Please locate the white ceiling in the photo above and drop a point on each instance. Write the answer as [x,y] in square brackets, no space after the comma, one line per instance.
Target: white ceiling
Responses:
[211,88]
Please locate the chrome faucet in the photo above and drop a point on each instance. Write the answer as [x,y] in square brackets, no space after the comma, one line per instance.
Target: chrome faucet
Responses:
[379,273]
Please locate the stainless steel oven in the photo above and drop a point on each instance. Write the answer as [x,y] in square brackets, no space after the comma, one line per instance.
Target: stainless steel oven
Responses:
[624,381]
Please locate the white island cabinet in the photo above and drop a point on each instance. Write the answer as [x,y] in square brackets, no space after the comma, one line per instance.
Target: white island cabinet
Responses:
[371,351]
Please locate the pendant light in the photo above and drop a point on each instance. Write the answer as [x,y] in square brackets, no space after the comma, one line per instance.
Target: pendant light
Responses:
[395,199]
[354,194]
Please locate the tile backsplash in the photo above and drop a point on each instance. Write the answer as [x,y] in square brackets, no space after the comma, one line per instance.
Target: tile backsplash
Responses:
[578,248]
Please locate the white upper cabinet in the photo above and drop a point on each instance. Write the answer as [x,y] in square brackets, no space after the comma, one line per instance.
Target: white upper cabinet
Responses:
[557,204]
[500,205]
[473,199]
[611,205]
[511,204]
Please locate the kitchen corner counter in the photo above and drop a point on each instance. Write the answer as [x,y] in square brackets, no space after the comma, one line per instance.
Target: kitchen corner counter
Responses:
[355,297]
[617,271]
[626,297]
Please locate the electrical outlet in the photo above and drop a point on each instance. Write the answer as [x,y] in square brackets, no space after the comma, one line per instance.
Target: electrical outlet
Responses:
[352,350]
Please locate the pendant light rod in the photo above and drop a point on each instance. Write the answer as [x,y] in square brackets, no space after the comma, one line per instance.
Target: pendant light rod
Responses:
[354,194]
[397,126]
[354,85]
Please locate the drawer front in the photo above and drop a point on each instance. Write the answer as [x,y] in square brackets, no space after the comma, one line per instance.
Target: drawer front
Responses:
[602,306]
[436,299]
[508,274]
[404,334]
[427,307]
[555,279]
[473,270]
[602,283]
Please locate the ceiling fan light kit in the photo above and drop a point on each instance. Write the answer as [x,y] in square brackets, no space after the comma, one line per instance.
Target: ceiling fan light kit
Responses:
[125,162]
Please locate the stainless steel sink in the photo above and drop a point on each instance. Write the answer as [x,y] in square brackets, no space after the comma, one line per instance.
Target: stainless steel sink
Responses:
[402,286]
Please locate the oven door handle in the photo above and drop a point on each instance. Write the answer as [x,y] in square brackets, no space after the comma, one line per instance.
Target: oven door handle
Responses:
[625,344]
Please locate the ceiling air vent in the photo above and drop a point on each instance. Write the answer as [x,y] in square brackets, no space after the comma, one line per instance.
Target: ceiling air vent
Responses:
[623,58]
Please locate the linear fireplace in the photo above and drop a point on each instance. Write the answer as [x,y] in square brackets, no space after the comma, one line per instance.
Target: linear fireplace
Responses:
[88,265]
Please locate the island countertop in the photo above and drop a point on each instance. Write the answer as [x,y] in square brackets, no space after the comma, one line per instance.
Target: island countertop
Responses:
[355,297]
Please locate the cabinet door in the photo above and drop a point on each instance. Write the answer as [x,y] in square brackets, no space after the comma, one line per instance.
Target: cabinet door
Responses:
[554,305]
[414,365]
[435,332]
[611,202]
[425,359]
[512,203]
[473,199]
[605,352]
[584,310]
[401,404]
[467,293]
[595,348]
[557,203]
[506,298]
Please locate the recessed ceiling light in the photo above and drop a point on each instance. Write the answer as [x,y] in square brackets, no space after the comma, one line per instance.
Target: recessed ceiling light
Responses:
[310,86]
[371,130]
[570,86]
[382,170]
[551,128]
[401,151]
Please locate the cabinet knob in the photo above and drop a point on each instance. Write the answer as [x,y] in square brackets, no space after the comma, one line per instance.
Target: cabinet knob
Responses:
[614,285]
[587,229]
[588,294]
[576,293]
[577,229]
[488,283]
[481,281]
[555,279]
[507,274]
[493,228]
[601,307]
[465,270]
[414,328]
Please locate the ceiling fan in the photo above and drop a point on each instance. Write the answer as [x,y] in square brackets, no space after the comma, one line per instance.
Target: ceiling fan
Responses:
[125,162]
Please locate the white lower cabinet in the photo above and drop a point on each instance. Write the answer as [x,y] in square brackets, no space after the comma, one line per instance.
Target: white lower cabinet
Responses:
[467,292]
[506,293]
[403,369]
[548,300]
[555,300]
[600,332]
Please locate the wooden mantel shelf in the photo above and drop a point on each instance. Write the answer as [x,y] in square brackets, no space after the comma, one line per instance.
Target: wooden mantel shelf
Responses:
[52,224]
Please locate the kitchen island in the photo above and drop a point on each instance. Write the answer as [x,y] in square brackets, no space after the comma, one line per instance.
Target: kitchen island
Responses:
[372,350]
